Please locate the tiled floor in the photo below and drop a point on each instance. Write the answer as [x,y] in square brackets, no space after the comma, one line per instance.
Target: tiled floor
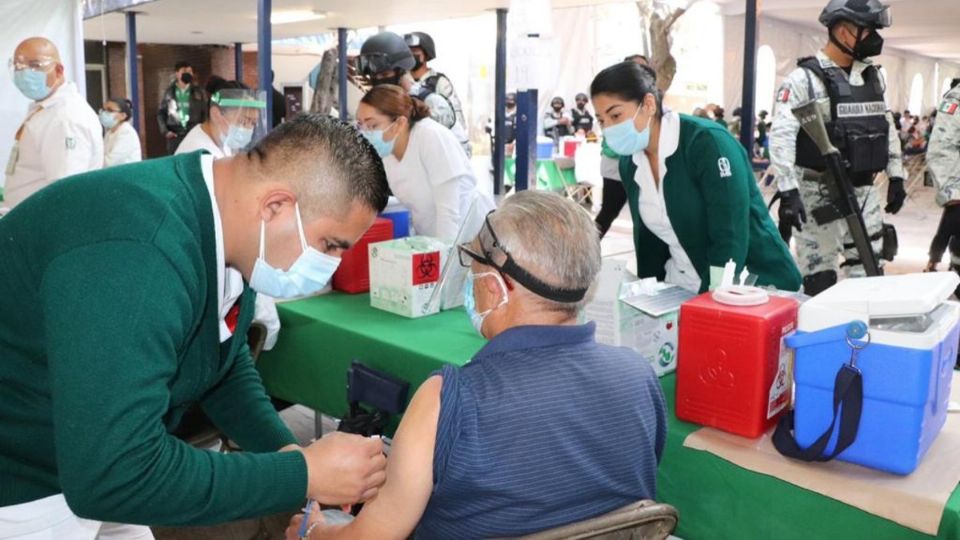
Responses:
[915,224]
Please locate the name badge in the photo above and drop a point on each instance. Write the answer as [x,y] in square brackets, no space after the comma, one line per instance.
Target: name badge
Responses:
[14,156]
[854,110]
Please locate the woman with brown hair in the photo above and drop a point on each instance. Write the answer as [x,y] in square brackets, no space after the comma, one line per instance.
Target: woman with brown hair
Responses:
[427,169]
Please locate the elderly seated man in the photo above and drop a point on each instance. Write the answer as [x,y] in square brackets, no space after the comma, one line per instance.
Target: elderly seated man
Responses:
[545,426]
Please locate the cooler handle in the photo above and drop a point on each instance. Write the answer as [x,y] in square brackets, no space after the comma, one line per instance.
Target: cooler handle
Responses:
[848,398]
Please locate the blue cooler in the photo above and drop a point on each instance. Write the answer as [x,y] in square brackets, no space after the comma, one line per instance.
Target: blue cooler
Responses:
[906,367]
[544,148]
[399,215]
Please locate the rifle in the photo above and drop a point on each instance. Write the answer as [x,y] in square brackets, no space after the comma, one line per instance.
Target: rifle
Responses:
[845,202]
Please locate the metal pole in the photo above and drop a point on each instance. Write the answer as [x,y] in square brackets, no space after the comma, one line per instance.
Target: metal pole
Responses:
[238,61]
[264,54]
[132,77]
[499,115]
[749,75]
[526,139]
[342,104]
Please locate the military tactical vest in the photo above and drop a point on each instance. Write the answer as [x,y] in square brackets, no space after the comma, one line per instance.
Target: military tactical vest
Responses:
[858,125]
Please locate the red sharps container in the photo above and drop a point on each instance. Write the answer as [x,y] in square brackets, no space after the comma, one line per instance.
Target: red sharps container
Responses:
[734,369]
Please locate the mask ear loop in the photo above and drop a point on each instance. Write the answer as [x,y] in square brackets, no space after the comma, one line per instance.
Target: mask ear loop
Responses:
[263,227]
[303,239]
[503,289]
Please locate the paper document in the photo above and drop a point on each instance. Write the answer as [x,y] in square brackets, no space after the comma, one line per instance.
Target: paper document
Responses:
[661,302]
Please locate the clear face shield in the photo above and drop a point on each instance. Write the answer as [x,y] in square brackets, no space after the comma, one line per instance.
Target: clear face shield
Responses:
[244,117]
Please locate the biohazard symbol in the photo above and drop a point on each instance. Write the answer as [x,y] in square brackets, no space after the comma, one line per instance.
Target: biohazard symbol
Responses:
[426,268]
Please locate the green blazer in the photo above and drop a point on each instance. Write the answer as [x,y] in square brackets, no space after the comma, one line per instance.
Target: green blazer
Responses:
[715,208]
[109,331]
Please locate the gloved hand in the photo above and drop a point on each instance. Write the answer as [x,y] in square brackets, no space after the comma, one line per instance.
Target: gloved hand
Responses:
[791,209]
[896,195]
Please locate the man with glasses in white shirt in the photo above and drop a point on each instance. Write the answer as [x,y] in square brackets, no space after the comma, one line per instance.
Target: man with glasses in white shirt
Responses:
[60,135]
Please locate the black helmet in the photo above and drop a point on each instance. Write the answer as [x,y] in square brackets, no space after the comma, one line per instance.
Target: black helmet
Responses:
[863,13]
[383,52]
[422,40]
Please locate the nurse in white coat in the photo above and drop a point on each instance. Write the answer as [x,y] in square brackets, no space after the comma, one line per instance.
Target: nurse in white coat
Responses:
[121,144]
[59,136]
[235,112]
[426,166]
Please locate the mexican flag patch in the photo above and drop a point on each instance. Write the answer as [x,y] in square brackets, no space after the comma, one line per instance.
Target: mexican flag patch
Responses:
[783,95]
[949,108]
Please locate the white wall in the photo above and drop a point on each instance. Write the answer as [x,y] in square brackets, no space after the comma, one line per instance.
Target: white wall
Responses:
[57,20]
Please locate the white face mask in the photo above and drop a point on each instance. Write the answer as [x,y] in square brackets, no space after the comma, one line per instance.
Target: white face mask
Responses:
[308,275]
[470,301]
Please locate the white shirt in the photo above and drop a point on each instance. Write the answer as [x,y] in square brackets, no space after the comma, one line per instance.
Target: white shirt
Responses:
[434,180]
[121,145]
[653,210]
[61,137]
[197,139]
[229,280]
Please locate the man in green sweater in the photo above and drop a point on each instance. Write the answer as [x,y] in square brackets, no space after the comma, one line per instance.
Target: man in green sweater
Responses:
[124,300]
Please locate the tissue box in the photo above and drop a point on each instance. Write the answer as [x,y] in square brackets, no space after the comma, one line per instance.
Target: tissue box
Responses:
[404,273]
[621,325]
[654,338]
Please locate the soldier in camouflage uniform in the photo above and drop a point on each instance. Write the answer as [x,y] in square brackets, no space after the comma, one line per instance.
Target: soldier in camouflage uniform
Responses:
[943,162]
[385,58]
[859,125]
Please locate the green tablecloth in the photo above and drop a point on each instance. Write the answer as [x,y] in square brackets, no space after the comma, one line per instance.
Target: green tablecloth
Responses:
[716,499]
[322,335]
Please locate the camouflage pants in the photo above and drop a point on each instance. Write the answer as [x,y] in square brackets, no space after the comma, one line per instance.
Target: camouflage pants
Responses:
[818,246]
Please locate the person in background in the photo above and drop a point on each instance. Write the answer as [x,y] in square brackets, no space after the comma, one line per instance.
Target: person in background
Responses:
[510,121]
[430,80]
[426,169]
[233,115]
[557,122]
[843,74]
[385,58]
[943,162]
[121,144]
[691,189]
[487,450]
[735,122]
[614,197]
[183,106]
[718,113]
[582,119]
[60,136]
[279,113]
[762,128]
[127,296]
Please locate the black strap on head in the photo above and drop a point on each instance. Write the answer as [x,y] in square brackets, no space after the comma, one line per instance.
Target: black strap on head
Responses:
[522,276]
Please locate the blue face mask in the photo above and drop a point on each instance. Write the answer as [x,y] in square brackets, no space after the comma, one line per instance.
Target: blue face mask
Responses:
[107,119]
[237,137]
[624,139]
[308,275]
[375,136]
[470,302]
[32,84]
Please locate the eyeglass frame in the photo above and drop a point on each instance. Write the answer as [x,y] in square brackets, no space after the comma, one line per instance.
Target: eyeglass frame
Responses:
[515,271]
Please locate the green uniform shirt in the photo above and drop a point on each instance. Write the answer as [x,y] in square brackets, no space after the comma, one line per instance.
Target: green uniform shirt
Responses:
[109,331]
[716,210]
[183,104]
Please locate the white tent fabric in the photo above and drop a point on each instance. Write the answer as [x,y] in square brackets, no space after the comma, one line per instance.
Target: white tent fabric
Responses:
[57,20]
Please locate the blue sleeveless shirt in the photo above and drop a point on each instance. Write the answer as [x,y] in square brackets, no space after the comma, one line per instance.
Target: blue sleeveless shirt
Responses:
[544,427]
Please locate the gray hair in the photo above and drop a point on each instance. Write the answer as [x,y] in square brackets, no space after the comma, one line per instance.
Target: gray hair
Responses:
[551,237]
[327,163]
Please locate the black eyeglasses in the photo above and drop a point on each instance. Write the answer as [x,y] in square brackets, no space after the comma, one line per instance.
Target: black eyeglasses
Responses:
[510,268]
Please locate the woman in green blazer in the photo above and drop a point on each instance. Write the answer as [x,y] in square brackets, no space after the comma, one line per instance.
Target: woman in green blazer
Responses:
[692,194]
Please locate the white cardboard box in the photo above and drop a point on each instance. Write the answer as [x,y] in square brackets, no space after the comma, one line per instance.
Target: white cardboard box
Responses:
[404,273]
[621,325]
